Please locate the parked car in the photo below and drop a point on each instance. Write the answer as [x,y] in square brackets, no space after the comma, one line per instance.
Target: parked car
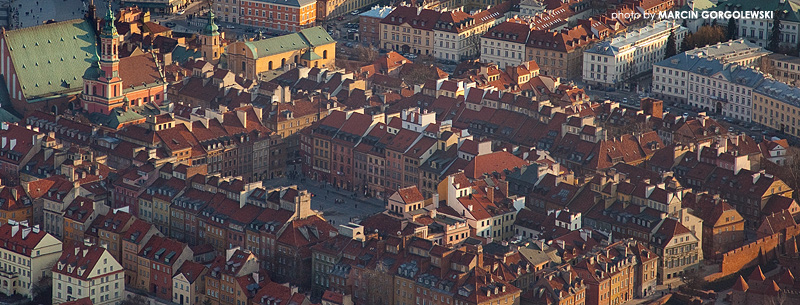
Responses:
[230,26]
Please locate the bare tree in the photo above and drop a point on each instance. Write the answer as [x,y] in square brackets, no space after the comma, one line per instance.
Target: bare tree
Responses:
[366,54]
[42,291]
[779,299]
[136,300]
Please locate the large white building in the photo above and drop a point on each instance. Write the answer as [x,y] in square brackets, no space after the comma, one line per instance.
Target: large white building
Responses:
[759,31]
[27,254]
[671,85]
[504,44]
[88,271]
[609,63]
[709,84]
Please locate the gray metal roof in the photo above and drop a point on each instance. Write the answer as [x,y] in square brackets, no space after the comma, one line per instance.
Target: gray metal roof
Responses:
[378,12]
[781,92]
[613,46]
[730,50]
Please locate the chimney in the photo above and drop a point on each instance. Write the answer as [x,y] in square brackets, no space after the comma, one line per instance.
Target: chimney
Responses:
[242,115]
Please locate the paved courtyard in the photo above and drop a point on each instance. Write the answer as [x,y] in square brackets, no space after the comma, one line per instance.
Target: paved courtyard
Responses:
[324,197]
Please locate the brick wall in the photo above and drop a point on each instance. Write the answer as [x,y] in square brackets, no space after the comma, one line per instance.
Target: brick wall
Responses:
[747,255]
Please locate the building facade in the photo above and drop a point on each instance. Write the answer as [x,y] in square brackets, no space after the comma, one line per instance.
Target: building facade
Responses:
[369,23]
[283,16]
[88,271]
[409,29]
[311,47]
[28,254]
[709,84]
[504,44]
[609,63]
[777,105]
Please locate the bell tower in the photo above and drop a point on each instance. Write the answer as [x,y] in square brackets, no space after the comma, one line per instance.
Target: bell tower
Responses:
[210,40]
[103,89]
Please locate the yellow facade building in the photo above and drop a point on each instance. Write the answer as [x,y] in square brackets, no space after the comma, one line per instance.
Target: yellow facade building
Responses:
[311,47]
[777,105]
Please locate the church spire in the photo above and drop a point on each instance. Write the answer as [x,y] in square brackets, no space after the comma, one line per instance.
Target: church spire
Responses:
[211,28]
[109,28]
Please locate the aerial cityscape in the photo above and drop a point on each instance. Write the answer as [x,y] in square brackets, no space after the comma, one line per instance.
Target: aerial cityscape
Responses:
[409,152]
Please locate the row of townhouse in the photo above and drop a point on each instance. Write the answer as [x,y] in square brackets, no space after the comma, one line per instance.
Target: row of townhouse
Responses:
[600,273]
[446,35]
[361,153]
[557,53]
[385,157]
[391,271]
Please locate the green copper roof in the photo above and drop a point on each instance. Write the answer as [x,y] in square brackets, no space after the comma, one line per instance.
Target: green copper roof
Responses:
[307,38]
[211,28]
[181,54]
[109,28]
[317,36]
[117,117]
[310,55]
[50,59]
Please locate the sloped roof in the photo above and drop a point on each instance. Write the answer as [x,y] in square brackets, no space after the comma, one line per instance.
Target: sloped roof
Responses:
[307,38]
[49,59]
[78,261]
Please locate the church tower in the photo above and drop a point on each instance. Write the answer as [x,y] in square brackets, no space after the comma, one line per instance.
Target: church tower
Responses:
[210,40]
[103,89]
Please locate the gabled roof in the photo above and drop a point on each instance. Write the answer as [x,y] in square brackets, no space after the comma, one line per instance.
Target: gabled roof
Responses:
[191,270]
[78,261]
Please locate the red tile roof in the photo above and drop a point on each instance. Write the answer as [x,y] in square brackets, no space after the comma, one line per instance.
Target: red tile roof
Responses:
[78,261]
[167,250]
[410,194]
[139,69]
[493,162]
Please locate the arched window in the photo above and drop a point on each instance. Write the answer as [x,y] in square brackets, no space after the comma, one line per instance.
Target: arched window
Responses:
[325,54]
[283,62]
[270,66]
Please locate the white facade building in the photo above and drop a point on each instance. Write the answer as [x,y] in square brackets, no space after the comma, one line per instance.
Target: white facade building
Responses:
[88,271]
[504,44]
[27,254]
[609,63]
[670,78]
[709,84]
